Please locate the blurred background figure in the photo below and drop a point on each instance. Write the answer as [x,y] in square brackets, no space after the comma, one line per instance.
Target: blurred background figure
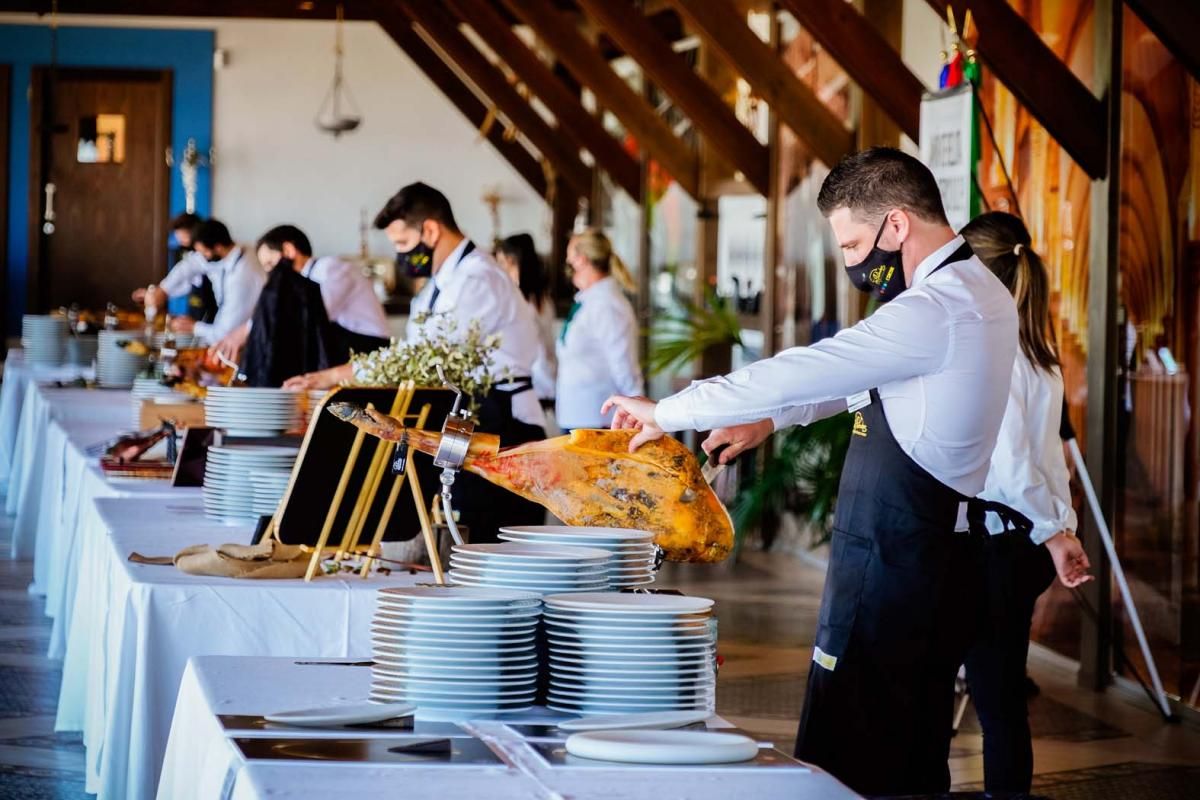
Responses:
[200,303]
[598,345]
[518,256]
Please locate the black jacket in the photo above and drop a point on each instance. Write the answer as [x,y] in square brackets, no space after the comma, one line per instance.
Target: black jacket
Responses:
[291,333]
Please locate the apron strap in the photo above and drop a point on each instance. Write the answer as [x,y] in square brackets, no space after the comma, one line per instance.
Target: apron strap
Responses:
[1014,521]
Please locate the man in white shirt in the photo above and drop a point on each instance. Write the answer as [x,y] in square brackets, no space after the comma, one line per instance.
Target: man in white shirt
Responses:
[358,320]
[466,284]
[926,379]
[235,274]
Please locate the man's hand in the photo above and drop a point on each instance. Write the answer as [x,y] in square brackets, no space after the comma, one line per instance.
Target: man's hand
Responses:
[160,297]
[324,379]
[139,296]
[182,324]
[1070,561]
[739,439]
[231,346]
[634,413]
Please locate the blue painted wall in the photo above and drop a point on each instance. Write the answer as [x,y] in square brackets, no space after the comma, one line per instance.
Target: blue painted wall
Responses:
[187,53]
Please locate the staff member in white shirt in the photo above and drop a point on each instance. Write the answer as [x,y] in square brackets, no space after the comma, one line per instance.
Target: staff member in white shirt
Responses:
[1028,473]
[358,319]
[518,256]
[598,345]
[236,276]
[926,378]
[466,284]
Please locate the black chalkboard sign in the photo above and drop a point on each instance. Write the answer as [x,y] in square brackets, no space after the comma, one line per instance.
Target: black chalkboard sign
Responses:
[324,454]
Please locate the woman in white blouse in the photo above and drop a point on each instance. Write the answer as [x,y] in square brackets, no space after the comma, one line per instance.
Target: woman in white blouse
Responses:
[1029,474]
[598,345]
[518,256]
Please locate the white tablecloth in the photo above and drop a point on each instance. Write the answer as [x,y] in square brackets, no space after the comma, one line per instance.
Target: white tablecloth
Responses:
[134,627]
[17,376]
[106,410]
[69,516]
[201,763]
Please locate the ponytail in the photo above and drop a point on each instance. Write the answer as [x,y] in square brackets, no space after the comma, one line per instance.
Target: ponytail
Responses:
[597,248]
[1002,242]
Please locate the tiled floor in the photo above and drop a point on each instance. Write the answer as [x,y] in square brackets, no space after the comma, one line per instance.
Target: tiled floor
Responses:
[1086,745]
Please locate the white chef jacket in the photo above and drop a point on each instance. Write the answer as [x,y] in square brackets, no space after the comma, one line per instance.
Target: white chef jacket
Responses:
[349,299]
[237,280]
[1029,471]
[472,286]
[597,356]
[940,354]
[545,367]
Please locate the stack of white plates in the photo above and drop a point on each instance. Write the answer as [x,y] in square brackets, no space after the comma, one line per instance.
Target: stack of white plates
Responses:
[44,338]
[539,568]
[228,492]
[455,652]
[81,350]
[616,653]
[267,488]
[633,552]
[244,411]
[116,366]
[151,389]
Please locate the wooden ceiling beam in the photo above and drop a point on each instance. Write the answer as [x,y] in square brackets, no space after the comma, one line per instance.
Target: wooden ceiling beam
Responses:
[399,28]
[585,129]
[709,113]
[1040,80]
[559,32]
[866,56]
[725,29]
[1177,24]
[443,30]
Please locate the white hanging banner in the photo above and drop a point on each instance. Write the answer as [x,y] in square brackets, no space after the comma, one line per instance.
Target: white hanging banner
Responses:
[946,125]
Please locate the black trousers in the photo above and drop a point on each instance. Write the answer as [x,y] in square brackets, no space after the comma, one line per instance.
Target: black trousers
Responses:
[1016,572]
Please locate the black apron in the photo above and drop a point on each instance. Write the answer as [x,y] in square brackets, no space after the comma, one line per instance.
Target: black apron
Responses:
[484,507]
[351,342]
[898,613]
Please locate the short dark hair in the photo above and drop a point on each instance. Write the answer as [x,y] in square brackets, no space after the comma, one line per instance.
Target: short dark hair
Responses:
[874,181]
[211,233]
[520,248]
[276,237]
[414,204]
[187,221]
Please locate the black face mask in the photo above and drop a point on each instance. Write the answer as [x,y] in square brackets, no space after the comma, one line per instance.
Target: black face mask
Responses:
[214,258]
[881,273]
[417,262]
[285,263]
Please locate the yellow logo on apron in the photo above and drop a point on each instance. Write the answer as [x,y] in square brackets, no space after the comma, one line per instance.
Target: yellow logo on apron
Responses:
[824,659]
[860,424]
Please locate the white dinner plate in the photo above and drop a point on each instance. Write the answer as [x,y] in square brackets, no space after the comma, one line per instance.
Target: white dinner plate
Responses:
[508,551]
[663,747]
[654,720]
[618,708]
[498,687]
[405,612]
[630,671]
[428,595]
[330,716]
[631,603]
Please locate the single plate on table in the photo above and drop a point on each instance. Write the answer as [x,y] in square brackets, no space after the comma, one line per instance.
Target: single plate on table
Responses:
[353,714]
[663,747]
[654,720]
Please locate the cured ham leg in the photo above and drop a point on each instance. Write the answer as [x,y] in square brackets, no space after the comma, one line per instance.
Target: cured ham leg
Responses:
[590,478]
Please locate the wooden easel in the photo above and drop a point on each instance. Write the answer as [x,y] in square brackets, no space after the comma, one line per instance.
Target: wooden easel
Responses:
[365,499]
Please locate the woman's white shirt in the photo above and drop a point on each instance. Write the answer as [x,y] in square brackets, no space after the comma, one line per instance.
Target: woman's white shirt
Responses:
[1029,470]
[597,356]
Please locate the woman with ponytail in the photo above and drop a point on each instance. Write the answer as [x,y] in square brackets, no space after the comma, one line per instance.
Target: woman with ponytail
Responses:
[1028,473]
[598,345]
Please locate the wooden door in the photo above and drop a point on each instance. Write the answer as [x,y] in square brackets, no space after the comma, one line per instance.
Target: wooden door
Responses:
[100,137]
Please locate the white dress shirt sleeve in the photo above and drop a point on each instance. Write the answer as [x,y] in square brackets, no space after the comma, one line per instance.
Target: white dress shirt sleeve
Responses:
[1029,470]
[178,281]
[911,336]
[808,414]
[243,285]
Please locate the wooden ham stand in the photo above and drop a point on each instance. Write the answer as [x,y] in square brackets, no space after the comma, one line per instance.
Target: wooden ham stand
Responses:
[401,401]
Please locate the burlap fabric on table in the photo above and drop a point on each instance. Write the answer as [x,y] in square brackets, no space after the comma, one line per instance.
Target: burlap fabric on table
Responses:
[266,560]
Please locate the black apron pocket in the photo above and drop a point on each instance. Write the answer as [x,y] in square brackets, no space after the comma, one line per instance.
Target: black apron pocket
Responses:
[849,560]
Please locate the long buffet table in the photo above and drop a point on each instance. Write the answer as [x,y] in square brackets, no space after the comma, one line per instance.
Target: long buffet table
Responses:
[126,632]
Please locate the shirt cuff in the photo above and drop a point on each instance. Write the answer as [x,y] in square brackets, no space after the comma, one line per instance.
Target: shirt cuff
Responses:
[672,414]
[204,330]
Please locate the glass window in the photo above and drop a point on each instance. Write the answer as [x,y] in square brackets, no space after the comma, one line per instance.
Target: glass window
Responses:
[101,139]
